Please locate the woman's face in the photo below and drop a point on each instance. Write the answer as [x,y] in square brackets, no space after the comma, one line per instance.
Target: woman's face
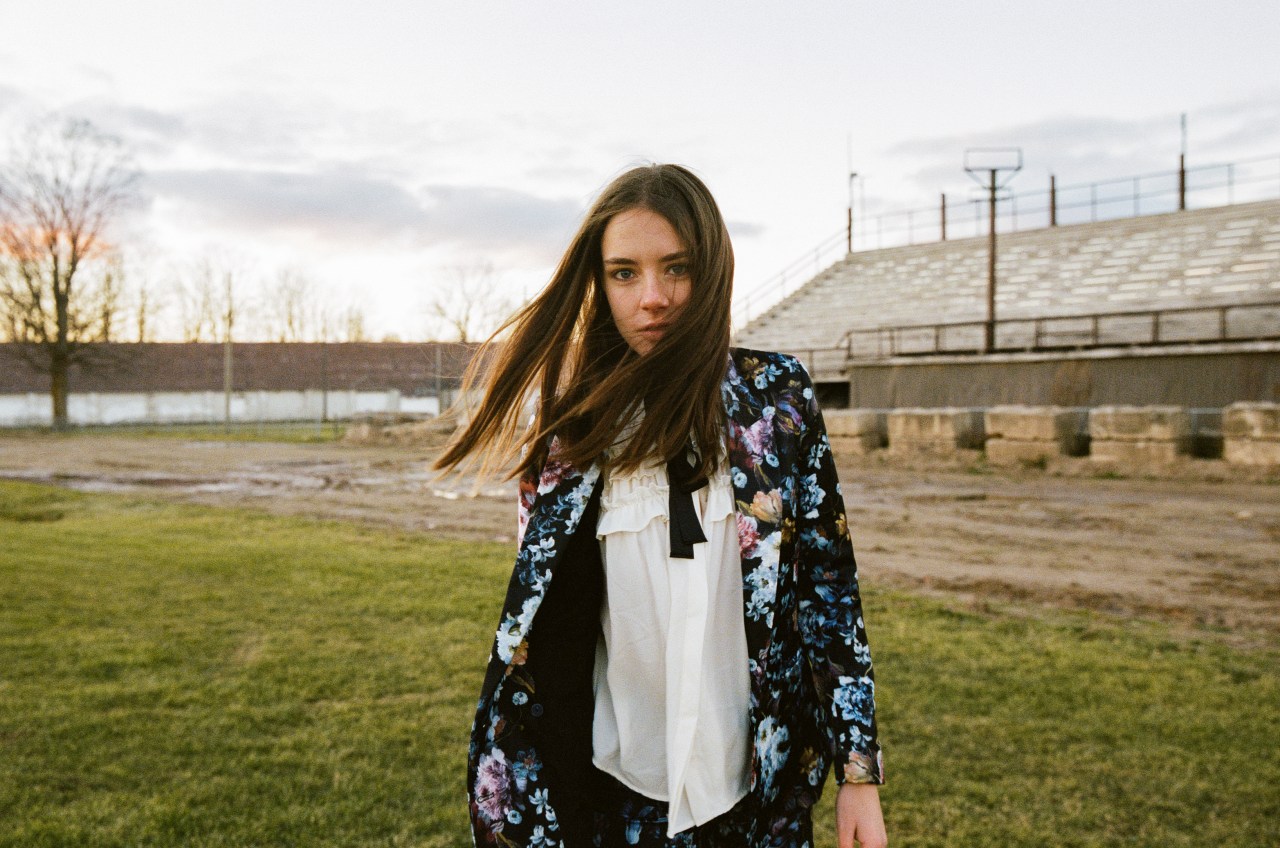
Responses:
[646,275]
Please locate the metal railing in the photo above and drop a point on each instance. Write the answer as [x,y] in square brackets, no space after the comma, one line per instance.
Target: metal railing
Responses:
[1238,322]
[1145,194]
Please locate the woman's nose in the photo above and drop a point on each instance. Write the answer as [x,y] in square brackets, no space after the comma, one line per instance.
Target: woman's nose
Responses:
[655,294]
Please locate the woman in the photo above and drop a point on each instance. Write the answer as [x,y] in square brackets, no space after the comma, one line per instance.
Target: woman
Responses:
[681,654]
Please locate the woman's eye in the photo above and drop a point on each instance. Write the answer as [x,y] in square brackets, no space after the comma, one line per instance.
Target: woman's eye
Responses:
[623,274]
[678,270]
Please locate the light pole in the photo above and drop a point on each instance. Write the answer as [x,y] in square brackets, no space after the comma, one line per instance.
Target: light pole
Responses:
[984,164]
[849,236]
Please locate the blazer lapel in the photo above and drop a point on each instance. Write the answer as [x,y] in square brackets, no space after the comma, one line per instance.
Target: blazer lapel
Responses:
[561,499]
[753,468]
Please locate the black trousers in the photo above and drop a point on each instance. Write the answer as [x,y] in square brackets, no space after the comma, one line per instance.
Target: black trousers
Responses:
[626,819]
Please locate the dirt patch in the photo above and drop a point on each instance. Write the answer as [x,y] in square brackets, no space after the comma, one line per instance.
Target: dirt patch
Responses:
[1196,551]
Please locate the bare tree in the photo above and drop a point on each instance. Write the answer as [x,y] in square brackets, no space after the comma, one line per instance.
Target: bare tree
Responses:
[292,310]
[469,302]
[352,322]
[61,185]
[199,298]
[341,324]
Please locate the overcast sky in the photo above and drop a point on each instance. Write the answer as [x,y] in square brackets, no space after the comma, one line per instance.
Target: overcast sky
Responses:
[373,146]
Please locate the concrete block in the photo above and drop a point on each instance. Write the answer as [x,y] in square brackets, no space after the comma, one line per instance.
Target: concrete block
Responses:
[1020,452]
[1251,421]
[942,430]
[1065,428]
[1140,424]
[856,431]
[1251,452]
[1135,453]
[1251,433]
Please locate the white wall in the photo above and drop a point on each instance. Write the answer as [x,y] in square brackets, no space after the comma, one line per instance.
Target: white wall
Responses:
[195,407]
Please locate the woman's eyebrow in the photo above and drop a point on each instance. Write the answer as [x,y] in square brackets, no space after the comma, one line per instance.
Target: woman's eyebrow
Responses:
[670,257]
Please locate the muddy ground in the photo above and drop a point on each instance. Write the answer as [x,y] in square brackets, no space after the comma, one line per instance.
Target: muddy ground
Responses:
[1201,551]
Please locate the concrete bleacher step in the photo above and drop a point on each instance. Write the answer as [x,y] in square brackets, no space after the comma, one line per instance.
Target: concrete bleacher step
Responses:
[1218,256]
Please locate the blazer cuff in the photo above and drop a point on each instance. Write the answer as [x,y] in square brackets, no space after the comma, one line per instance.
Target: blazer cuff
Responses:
[862,768]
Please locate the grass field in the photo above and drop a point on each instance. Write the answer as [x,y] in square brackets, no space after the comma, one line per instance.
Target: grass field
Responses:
[175,675]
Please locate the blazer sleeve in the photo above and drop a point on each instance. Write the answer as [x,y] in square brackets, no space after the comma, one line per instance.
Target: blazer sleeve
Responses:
[524,503]
[830,607]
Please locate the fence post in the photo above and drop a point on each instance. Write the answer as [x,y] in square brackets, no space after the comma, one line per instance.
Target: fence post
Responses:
[944,216]
[1182,182]
[1053,201]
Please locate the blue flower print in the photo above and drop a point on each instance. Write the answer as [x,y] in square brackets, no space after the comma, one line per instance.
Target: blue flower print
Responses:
[811,495]
[539,800]
[766,374]
[854,698]
[525,769]
[519,699]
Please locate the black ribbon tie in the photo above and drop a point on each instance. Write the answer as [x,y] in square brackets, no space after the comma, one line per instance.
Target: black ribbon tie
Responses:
[682,481]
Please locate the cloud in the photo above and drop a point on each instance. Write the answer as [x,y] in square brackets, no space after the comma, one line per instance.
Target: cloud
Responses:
[744,229]
[498,217]
[149,131]
[1096,148]
[337,203]
[9,96]
[354,205]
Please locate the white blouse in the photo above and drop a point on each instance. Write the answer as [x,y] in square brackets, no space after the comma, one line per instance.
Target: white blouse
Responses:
[672,685]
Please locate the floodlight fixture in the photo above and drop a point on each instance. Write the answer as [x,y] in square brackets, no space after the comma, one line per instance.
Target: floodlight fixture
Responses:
[989,160]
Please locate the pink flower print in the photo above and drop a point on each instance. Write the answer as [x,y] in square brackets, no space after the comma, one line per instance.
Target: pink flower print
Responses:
[757,439]
[748,535]
[493,786]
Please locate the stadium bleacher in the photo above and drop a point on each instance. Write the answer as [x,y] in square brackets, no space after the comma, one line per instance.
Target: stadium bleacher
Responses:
[1223,256]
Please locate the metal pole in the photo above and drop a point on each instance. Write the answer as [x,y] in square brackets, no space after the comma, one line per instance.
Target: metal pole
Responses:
[849,221]
[1053,201]
[1182,168]
[991,273]
[324,378]
[1182,182]
[227,361]
[944,216]
[440,383]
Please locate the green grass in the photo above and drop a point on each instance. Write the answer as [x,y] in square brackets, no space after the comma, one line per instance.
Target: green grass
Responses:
[174,675]
[259,431]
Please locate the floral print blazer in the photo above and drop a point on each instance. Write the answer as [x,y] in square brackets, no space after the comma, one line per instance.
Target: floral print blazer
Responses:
[812,689]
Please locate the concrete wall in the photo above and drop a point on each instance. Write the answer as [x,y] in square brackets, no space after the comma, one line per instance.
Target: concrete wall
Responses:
[90,408]
[1191,379]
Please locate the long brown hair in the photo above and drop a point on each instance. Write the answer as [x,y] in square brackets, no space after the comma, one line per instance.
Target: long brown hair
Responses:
[590,381]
